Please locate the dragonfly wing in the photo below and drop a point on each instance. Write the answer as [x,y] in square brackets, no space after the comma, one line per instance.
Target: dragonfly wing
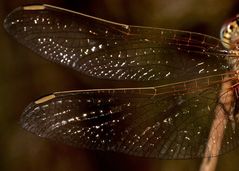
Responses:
[115,51]
[169,126]
[163,126]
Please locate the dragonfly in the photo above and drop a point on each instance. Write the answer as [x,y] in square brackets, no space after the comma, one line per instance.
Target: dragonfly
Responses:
[184,74]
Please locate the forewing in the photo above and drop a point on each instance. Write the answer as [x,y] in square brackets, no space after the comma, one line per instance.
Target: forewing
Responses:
[168,126]
[115,51]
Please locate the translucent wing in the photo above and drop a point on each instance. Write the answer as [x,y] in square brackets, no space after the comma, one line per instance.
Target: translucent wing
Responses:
[169,120]
[172,125]
[110,50]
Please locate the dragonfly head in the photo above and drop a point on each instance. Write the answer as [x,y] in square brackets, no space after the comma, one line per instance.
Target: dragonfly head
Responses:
[230,33]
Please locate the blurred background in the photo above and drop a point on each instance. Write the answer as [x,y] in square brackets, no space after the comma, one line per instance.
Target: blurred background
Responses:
[24,76]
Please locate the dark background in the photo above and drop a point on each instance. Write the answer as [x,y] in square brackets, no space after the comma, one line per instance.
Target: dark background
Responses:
[24,76]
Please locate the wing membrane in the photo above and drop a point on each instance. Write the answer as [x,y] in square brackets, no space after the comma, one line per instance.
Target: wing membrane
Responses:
[168,126]
[170,120]
[115,51]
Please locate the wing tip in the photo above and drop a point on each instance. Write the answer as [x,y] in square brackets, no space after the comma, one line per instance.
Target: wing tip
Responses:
[15,15]
[26,118]
[7,21]
[29,119]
